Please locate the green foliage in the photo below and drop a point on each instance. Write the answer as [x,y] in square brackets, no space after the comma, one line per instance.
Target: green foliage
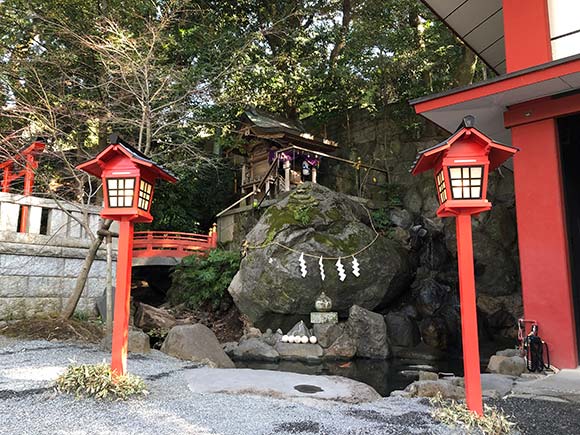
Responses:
[381,219]
[190,205]
[302,214]
[96,380]
[201,280]
[493,421]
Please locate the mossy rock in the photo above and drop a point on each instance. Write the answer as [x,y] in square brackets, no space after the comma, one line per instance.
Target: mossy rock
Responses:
[315,220]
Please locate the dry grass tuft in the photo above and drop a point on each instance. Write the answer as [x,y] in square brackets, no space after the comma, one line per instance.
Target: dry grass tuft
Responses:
[54,329]
[451,413]
[96,380]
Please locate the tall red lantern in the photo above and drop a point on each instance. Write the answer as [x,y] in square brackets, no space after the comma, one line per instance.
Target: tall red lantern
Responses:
[461,165]
[128,178]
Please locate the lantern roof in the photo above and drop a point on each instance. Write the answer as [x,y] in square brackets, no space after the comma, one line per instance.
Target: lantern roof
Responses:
[498,152]
[118,147]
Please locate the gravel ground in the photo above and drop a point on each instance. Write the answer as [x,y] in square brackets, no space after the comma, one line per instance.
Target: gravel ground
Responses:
[29,404]
[541,417]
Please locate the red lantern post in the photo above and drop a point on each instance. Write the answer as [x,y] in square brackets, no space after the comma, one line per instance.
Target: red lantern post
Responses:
[128,182]
[461,165]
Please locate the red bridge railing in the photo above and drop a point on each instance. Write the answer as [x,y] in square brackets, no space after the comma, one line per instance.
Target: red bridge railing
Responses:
[172,244]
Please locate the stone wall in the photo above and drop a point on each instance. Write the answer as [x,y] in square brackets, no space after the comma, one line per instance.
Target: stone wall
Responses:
[38,269]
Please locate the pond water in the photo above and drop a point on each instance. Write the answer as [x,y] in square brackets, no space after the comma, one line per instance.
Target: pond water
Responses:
[383,376]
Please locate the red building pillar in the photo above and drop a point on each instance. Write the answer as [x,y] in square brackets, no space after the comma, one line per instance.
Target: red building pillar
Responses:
[526,33]
[542,239]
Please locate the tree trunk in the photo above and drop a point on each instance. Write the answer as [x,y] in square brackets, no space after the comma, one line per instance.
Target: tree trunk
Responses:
[73,299]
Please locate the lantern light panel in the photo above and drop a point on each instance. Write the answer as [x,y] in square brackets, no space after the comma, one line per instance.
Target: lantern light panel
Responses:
[120,192]
[145,190]
[466,182]
[441,189]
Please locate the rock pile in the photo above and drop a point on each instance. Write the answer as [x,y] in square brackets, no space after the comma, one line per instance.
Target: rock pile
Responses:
[363,335]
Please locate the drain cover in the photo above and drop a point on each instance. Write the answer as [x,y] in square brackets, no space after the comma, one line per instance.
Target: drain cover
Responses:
[310,389]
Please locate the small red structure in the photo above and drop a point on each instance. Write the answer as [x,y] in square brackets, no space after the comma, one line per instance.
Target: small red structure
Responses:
[173,244]
[128,178]
[22,165]
[461,166]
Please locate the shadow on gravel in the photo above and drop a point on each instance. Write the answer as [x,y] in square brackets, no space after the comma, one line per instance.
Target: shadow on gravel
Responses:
[170,372]
[297,427]
[17,394]
[412,418]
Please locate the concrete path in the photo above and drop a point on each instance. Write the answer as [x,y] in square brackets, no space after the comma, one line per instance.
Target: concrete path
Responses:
[563,386]
[279,385]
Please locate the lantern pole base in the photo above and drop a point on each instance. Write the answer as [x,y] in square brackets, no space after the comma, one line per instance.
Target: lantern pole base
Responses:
[122,298]
[469,335]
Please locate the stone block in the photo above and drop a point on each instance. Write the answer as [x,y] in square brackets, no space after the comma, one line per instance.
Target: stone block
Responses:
[20,308]
[99,269]
[72,266]
[330,317]
[13,286]
[31,266]
[46,286]
[97,286]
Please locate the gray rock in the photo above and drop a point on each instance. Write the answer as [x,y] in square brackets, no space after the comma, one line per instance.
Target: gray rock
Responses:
[315,219]
[271,338]
[310,353]
[506,365]
[431,388]
[434,332]
[344,347]
[509,352]
[428,376]
[369,332]
[255,350]
[493,364]
[402,330]
[496,386]
[401,218]
[195,343]
[253,333]
[299,330]
[229,347]
[137,342]
[327,333]
[148,318]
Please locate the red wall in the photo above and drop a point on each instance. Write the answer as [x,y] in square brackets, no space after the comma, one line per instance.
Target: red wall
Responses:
[543,246]
[527,33]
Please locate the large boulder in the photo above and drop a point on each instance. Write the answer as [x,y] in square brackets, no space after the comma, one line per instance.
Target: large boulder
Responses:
[269,287]
[369,332]
[196,343]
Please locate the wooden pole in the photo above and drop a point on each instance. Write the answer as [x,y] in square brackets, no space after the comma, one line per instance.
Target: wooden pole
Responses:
[467,302]
[122,298]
